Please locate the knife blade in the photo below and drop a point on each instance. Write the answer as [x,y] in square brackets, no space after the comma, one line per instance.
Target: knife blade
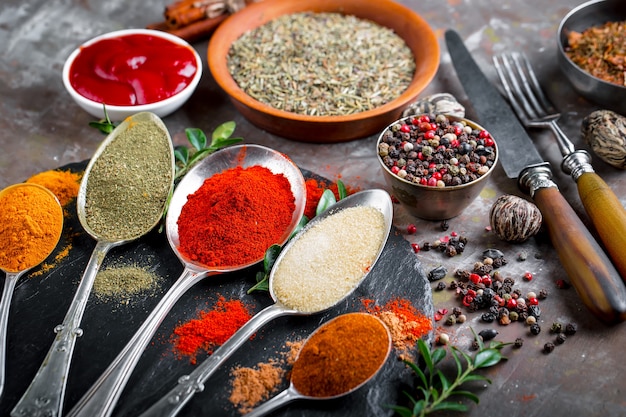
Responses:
[596,280]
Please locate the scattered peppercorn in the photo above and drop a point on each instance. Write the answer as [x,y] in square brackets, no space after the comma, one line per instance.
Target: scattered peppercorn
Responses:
[441,286]
[488,334]
[543,294]
[461,318]
[411,229]
[535,329]
[571,328]
[437,273]
[444,225]
[451,320]
[443,339]
[556,327]
[562,284]
[519,342]
[548,347]
[560,338]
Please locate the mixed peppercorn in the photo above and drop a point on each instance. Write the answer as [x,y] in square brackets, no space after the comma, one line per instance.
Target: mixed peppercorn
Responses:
[436,151]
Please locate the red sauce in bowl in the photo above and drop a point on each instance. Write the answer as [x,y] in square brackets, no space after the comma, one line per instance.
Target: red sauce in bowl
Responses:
[132,69]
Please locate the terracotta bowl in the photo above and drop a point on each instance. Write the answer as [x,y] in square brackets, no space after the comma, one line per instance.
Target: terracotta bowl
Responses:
[592,13]
[326,129]
[428,202]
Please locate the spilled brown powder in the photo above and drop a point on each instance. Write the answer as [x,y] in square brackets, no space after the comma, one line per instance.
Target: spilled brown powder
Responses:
[251,386]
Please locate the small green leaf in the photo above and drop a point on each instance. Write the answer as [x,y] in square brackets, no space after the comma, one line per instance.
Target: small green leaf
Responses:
[199,155]
[425,352]
[476,377]
[341,190]
[418,406]
[181,153]
[451,406]
[224,131]
[217,144]
[103,126]
[445,384]
[486,358]
[416,369]
[402,411]
[326,200]
[262,283]
[196,137]
[438,355]
[270,257]
[466,394]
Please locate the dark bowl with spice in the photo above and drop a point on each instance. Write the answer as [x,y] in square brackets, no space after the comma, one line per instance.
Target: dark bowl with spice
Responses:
[591,51]
[346,81]
[436,165]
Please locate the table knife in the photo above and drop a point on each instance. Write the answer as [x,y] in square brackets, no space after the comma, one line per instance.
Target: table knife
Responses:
[590,271]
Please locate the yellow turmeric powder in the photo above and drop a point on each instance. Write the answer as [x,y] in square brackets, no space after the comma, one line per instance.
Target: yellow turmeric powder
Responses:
[31,222]
[63,184]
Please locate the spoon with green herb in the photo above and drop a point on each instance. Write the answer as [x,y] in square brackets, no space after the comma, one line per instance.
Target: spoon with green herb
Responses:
[122,197]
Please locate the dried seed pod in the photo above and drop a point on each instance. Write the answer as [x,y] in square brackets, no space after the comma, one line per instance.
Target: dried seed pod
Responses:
[605,132]
[514,219]
[434,104]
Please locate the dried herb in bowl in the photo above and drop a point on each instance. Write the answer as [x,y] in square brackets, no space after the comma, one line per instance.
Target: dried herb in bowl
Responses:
[321,64]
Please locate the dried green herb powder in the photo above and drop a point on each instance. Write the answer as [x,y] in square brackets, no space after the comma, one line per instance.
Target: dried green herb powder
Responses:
[123,282]
[321,64]
[129,182]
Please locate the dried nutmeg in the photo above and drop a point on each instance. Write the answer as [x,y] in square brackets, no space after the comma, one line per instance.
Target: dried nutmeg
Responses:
[605,132]
[514,219]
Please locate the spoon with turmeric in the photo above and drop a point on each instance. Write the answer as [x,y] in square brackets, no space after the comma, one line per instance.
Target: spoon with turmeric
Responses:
[31,222]
[340,357]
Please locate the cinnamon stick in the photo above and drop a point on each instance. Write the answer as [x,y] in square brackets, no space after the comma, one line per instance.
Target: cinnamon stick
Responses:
[193,32]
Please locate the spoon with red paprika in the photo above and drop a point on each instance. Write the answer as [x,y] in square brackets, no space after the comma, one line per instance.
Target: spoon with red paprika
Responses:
[340,357]
[32,220]
[102,397]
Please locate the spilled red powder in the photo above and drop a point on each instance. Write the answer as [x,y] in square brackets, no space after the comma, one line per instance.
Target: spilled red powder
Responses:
[405,322]
[314,191]
[211,329]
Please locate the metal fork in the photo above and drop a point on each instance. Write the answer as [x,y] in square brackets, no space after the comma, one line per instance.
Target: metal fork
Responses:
[533,108]
[527,97]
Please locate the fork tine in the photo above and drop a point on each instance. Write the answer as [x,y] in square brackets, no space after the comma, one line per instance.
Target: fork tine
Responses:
[540,101]
[499,62]
[520,87]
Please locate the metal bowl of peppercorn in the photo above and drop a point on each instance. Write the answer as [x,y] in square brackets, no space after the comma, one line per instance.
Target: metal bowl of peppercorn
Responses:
[436,165]
[591,52]
[323,71]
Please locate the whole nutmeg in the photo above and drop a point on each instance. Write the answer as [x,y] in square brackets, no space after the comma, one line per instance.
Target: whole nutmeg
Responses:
[605,132]
[514,219]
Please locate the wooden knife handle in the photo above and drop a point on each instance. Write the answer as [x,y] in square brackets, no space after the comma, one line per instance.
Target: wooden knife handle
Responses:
[589,269]
[608,216]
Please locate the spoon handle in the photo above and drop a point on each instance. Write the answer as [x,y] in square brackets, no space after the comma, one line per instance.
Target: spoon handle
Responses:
[285,397]
[172,402]
[45,394]
[5,305]
[101,398]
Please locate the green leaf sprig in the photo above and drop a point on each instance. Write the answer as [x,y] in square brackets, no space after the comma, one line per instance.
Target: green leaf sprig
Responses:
[435,389]
[326,201]
[186,157]
[105,125]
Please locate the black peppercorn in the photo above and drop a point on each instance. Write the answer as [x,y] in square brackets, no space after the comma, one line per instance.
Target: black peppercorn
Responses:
[488,317]
[548,347]
[519,342]
[571,328]
[437,273]
[441,286]
[556,328]
[488,334]
[560,338]
[535,329]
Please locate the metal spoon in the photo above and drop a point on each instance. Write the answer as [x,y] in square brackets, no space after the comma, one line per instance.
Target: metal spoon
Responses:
[46,392]
[292,393]
[102,397]
[12,275]
[188,385]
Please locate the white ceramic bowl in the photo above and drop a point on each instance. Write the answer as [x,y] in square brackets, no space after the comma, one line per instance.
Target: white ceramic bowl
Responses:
[117,113]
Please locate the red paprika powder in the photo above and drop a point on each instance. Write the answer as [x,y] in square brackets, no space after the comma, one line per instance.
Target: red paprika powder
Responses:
[235,216]
[211,329]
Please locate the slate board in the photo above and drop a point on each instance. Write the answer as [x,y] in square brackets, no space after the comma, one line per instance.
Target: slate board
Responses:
[40,303]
